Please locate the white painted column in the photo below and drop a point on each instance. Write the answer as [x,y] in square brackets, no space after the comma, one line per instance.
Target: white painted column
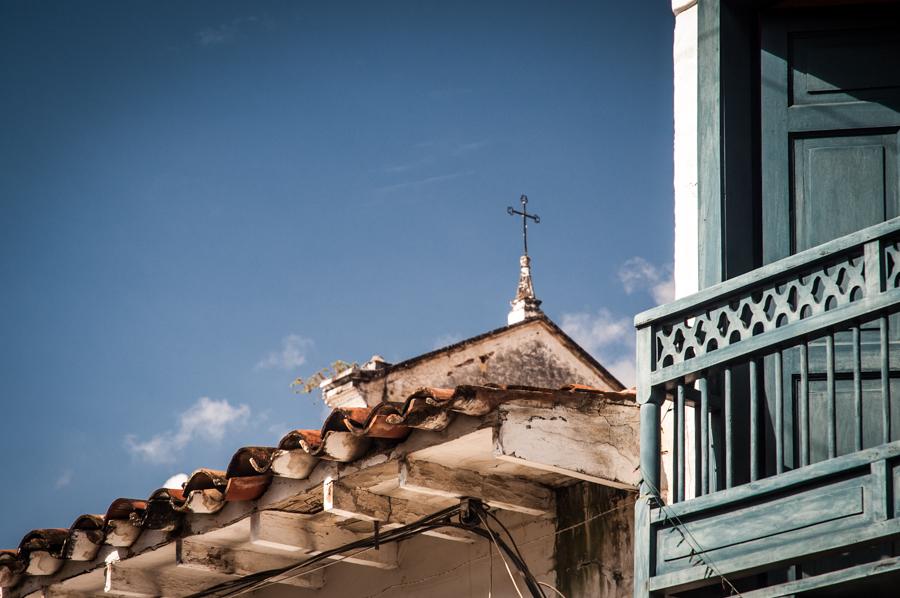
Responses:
[685,146]
[686,270]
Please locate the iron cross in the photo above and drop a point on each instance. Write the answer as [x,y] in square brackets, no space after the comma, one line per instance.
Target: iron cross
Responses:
[525,216]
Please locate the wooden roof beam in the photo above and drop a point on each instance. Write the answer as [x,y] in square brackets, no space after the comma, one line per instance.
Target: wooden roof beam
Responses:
[500,492]
[298,534]
[237,562]
[391,512]
[129,581]
[597,442]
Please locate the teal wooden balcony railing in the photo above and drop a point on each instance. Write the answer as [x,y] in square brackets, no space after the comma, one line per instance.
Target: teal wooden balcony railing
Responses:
[785,367]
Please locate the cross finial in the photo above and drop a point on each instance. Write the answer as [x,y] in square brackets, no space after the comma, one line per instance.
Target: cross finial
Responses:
[525,216]
[525,305]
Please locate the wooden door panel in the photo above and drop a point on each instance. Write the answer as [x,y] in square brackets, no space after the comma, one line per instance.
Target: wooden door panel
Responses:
[844,65]
[830,115]
[842,183]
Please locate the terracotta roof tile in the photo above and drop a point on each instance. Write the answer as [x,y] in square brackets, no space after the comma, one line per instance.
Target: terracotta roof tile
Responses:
[89,522]
[50,540]
[247,487]
[11,567]
[162,510]
[345,436]
[204,479]
[250,460]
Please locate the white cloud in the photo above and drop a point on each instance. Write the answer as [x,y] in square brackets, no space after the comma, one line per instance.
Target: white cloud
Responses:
[291,355]
[65,478]
[664,292]
[598,331]
[465,148]
[637,274]
[623,369]
[176,481]
[609,338]
[206,419]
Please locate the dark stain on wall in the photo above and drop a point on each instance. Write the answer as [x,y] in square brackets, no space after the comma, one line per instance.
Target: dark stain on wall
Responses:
[530,363]
[594,560]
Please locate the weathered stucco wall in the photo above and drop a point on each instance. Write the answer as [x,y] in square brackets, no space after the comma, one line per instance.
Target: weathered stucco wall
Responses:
[434,568]
[595,560]
[526,355]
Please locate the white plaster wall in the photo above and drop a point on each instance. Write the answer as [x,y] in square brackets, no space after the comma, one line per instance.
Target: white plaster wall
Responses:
[434,568]
[685,146]
[667,439]
[684,55]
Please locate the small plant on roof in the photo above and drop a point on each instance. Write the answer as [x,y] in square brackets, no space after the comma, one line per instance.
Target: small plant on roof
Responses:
[309,384]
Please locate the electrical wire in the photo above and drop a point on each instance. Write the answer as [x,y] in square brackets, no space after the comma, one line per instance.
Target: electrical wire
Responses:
[534,580]
[509,535]
[490,570]
[279,578]
[256,580]
[427,578]
[696,549]
[435,521]
[505,564]
[547,585]
[520,564]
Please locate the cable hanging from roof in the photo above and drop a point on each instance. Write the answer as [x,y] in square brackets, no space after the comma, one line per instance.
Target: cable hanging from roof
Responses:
[469,515]
[698,554]
[621,506]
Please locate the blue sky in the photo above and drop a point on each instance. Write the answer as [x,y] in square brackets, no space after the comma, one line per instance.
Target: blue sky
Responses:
[201,201]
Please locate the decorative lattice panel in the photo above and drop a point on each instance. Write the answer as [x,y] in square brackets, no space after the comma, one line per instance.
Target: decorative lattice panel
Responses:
[892,264]
[772,306]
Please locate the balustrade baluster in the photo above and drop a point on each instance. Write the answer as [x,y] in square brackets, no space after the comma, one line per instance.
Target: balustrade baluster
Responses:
[754,420]
[679,443]
[885,381]
[804,403]
[857,391]
[779,415]
[704,435]
[698,477]
[829,380]
[729,440]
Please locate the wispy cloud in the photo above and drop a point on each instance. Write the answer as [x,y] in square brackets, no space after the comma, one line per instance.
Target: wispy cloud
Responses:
[222,33]
[213,36]
[426,180]
[607,337]
[65,478]
[292,354]
[637,274]
[406,167]
[465,148]
[207,419]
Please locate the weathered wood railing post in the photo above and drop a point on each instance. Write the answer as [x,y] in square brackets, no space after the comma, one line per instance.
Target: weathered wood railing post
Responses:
[763,323]
[648,497]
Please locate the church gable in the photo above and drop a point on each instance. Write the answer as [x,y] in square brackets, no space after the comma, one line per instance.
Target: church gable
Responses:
[534,352]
